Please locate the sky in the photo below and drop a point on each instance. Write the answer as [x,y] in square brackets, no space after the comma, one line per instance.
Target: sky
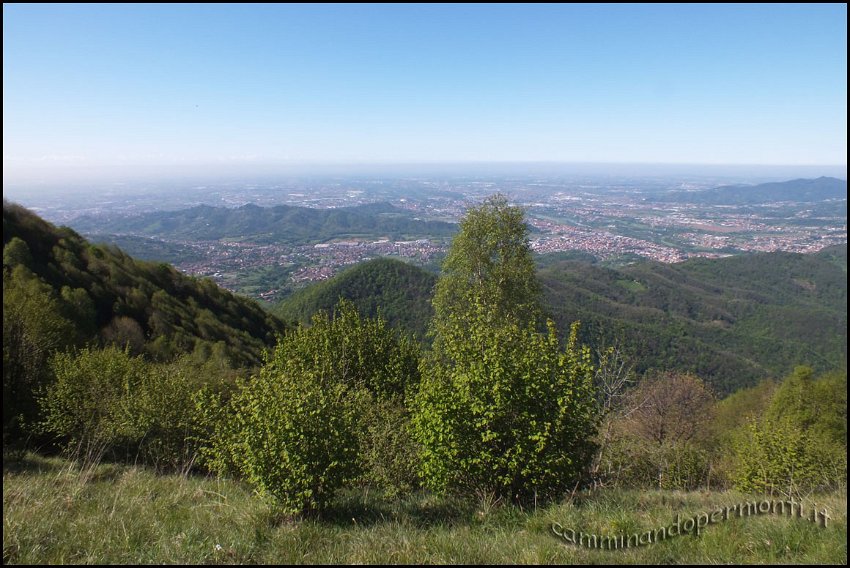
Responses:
[90,88]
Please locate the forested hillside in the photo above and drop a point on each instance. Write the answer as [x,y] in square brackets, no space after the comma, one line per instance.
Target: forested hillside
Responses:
[797,190]
[400,291]
[103,292]
[61,293]
[732,321]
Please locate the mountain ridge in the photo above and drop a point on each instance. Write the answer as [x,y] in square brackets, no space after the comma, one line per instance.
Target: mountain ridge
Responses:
[283,224]
[805,190]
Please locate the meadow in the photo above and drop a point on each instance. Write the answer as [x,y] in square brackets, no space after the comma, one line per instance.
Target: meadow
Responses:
[56,512]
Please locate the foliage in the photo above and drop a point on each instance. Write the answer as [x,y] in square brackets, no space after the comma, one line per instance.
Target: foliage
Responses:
[294,435]
[732,321]
[90,404]
[489,269]
[33,329]
[105,402]
[110,298]
[502,409]
[506,412]
[800,443]
[388,452]
[355,350]
[295,431]
[397,291]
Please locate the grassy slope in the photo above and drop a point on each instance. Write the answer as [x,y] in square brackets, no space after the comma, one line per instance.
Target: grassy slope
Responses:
[121,514]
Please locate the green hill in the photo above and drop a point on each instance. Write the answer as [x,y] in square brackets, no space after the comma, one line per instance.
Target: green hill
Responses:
[401,291]
[108,296]
[732,321]
[282,224]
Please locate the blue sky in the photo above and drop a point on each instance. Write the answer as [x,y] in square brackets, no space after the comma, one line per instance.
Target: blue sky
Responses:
[210,85]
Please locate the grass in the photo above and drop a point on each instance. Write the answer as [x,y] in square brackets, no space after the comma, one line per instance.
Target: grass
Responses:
[54,513]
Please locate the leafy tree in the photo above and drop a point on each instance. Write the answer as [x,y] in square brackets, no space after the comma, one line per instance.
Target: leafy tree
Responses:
[507,412]
[489,268]
[33,330]
[354,350]
[502,409]
[16,252]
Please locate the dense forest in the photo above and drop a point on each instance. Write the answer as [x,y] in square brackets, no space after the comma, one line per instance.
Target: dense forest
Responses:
[731,321]
[398,291]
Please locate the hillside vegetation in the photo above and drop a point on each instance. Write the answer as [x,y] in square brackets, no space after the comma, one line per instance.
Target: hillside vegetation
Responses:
[61,293]
[352,442]
[797,190]
[732,321]
[108,292]
[399,291]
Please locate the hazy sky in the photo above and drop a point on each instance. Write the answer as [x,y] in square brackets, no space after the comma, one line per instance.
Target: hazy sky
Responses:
[86,87]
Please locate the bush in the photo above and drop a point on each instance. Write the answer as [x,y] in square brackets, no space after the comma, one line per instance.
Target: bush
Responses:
[91,404]
[106,402]
[296,430]
[388,451]
[800,443]
[292,435]
[506,413]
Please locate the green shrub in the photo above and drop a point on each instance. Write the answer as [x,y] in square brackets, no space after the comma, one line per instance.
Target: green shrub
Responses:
[388,451]
[507,412]
[106,402]
[800,443]
[92,403]
[292,435]
[296,430]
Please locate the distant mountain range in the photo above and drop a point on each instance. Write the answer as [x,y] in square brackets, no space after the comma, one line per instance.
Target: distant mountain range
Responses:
[732,321]
[797,190]
[282,224]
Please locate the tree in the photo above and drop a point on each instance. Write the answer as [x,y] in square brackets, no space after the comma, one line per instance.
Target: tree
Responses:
[502,409]
[488,267]
[671,407]
[33,330]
